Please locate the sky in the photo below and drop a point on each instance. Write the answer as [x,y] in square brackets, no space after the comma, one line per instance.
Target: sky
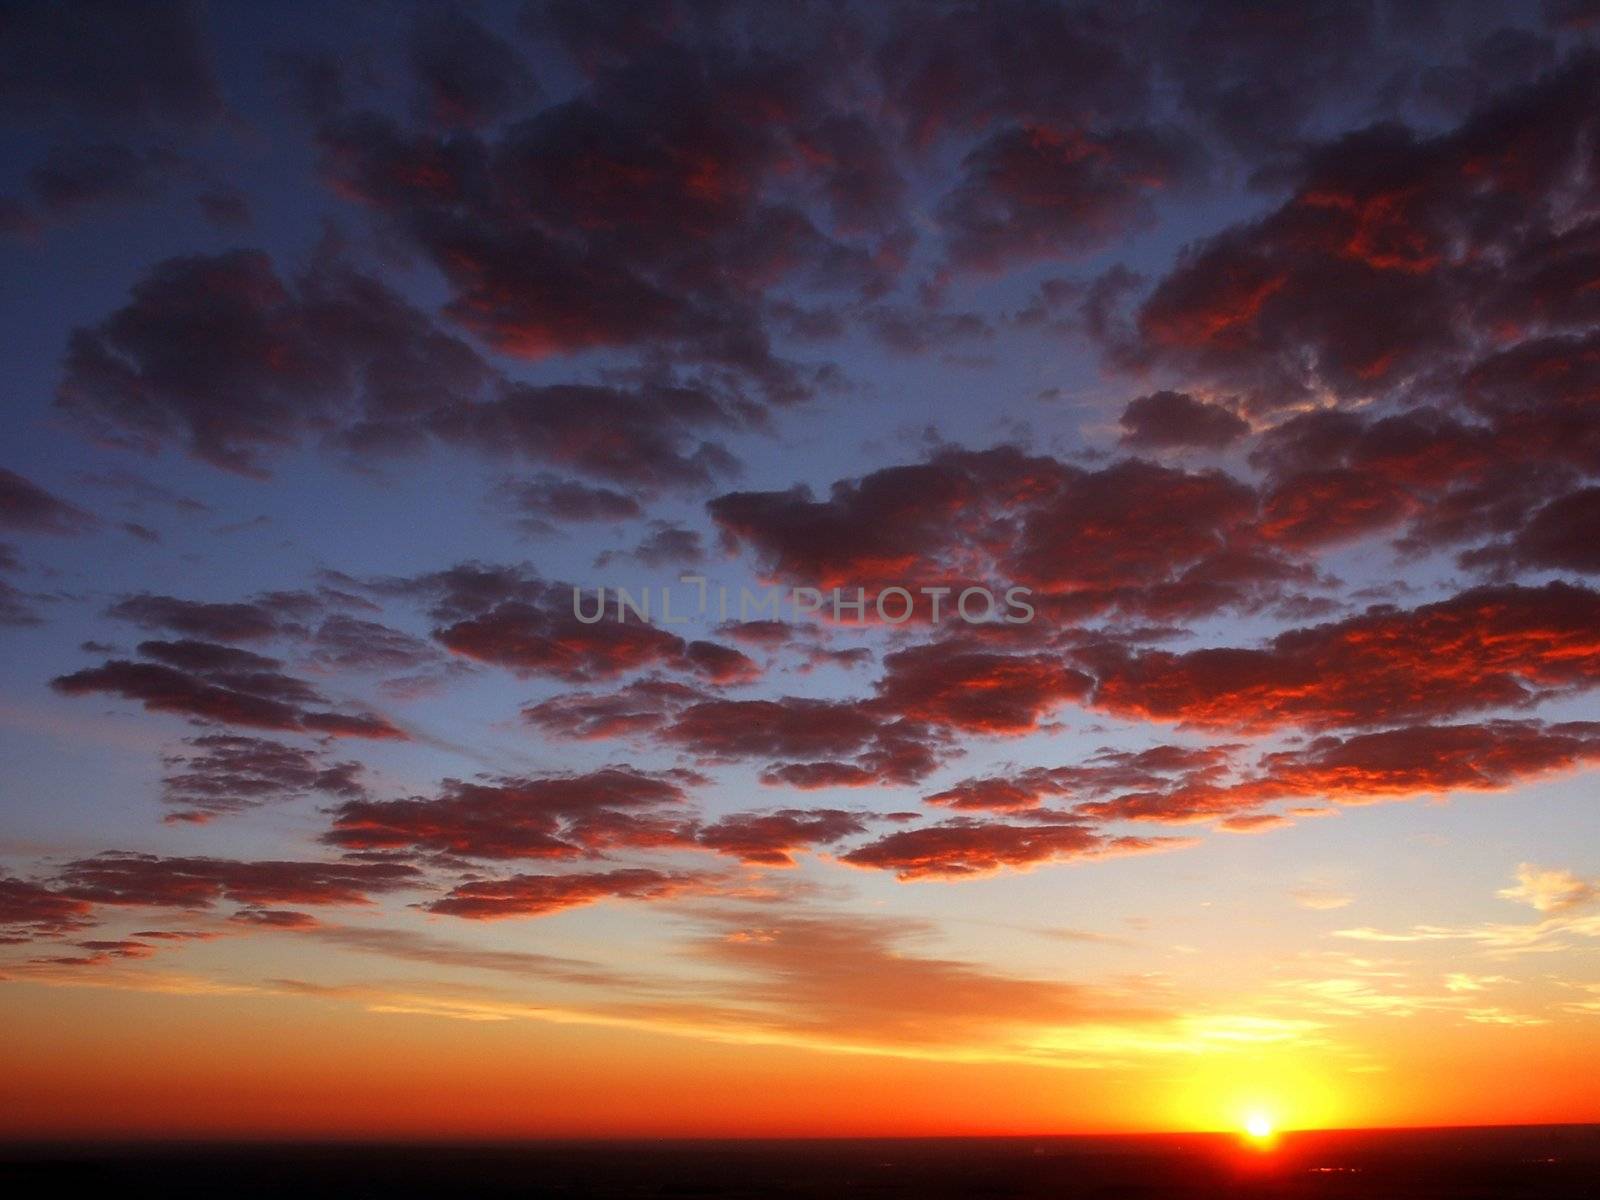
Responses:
[1227,375]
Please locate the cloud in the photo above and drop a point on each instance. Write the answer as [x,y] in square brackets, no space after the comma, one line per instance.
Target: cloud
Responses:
[1556,893]
[79,175]
[967,848]
[772,839]
[635,707]
[332,349]
[509,617]
[28,508]
[547,639]
[1040,191]
[547,817]
[31,910]
[1368,275]
[957,69]
[1163,419]
[665,545]
[1364,768]
[283,919]
[1483,648]
[1551,890]
[345,643]
[645,436]
[127,878]
[226,774]
[1561,535]
[633,215]
[1320,899]
[543,895]
[244,621]
[408,945]
[1135,535]
[823,732]
[222,685]
[1158,768]
[549,501]
[465,75]
[967,687]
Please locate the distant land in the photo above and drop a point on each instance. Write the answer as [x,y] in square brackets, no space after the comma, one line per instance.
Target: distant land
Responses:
[1561,1161]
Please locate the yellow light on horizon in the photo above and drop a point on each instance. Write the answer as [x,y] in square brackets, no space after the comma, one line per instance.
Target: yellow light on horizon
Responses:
[1258,1125]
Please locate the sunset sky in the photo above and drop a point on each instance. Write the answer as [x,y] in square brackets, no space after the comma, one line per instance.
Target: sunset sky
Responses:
[1259,343]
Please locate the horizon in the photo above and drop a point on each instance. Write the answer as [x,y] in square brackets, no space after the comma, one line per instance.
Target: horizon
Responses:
[695,569]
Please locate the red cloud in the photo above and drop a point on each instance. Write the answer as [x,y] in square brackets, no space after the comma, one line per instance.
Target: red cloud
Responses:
[29,910]
[1136,535]
[959,686]
[771,839]
[961,849]
[554,817]
[1365,768]
[542,895]
[1484,648]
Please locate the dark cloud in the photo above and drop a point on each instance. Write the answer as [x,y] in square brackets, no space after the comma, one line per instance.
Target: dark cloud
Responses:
[1256,78]
[636,707]
[16,608]
[345,643]
[282,362]
[225,208]
[75,176]
[1136,535]
[224,774]
[512,619]
[465,74]
[125,878]
[632,215]
[792,727]
[215,684]
[959,68]
[226,622]
[553,817]
[665,545]
[1163,419]
[548,640]
[1562,535]
[28,508]
[542,895]
[1428,760]
[648,436]
[549,501]
[1035,192]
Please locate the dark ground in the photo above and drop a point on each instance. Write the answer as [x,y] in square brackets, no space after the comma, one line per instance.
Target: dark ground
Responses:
[1494,1164]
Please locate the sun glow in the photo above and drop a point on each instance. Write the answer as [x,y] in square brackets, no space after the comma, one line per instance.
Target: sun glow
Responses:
[1258,1125]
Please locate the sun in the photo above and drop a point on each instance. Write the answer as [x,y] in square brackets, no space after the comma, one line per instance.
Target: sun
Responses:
[1258,1125]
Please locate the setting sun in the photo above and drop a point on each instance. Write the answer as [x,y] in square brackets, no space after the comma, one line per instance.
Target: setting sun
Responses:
[1259,1126]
